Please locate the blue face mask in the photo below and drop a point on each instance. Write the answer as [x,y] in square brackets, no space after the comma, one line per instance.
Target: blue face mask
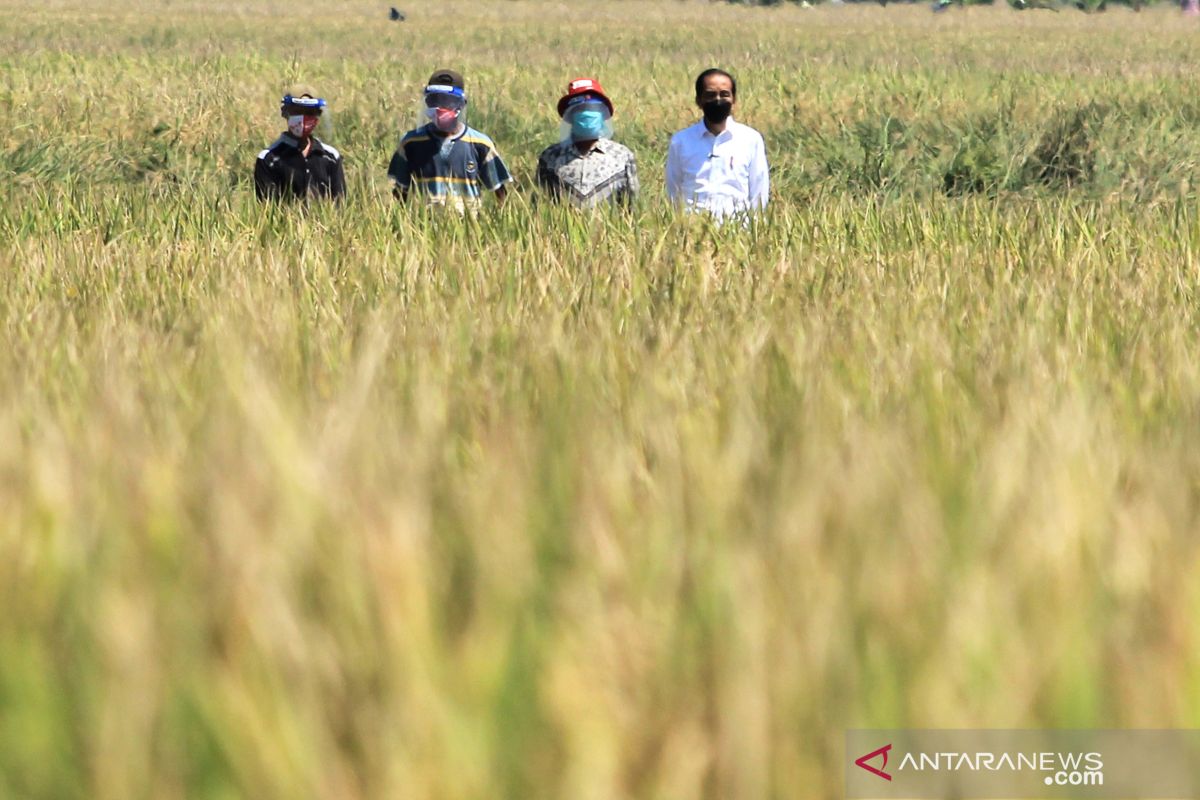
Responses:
[587,125]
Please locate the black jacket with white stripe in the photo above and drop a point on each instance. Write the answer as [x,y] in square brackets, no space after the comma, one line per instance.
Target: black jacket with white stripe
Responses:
[282,171]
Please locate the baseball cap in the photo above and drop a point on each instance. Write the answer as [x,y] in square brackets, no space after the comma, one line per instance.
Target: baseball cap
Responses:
[447,77]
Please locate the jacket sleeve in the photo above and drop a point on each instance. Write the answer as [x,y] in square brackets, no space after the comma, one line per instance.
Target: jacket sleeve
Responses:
[398,172]
[674,173]
[337,182]
[547,181]
[266,182]
[493,172]
[760,177]
[632,185]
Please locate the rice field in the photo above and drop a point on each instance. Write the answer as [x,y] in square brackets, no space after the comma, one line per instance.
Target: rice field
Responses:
[370,502]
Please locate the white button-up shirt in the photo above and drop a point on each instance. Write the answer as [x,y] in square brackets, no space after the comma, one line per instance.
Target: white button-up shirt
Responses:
[722,175]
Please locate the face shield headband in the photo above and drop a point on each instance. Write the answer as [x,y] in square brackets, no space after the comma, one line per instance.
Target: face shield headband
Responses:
[309,105]
[451,97]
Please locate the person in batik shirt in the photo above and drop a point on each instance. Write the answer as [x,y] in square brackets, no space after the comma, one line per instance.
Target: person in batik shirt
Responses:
[586,167]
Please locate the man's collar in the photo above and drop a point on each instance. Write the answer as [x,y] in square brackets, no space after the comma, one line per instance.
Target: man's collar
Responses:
[598,146]
[433,131]
[730,124]
[294,143]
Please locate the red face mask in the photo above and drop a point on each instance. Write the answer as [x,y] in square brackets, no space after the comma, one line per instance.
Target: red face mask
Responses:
[446,120]
[302,125]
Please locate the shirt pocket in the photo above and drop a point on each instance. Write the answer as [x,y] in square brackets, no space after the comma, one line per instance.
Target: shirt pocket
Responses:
[738,166]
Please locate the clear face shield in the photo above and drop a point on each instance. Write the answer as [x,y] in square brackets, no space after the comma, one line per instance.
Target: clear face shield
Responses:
[306,117]
[445,107]
[586,119]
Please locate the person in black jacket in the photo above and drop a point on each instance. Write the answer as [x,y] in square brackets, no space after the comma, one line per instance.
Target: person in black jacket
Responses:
[298,165]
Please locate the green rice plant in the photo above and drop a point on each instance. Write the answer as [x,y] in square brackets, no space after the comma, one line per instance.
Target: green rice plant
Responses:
[983,160]
[1066,153]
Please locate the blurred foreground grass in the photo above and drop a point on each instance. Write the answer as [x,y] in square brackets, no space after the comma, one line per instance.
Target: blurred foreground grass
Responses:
[359,502]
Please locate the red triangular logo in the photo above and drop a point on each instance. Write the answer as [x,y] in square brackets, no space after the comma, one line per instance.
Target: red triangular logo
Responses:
[883,751]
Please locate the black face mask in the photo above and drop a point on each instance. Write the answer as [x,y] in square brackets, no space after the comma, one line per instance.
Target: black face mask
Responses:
[716,111]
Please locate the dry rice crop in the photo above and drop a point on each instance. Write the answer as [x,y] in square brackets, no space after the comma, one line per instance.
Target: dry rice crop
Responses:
[370,503]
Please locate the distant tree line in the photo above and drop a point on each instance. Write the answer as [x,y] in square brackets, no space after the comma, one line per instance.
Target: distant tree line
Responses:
[1020,5]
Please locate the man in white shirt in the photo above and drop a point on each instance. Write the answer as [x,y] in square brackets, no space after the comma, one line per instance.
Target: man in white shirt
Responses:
[718,165]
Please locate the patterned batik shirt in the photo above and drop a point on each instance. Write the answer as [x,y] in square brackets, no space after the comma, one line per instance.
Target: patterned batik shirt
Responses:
[606,173]
[448,170]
